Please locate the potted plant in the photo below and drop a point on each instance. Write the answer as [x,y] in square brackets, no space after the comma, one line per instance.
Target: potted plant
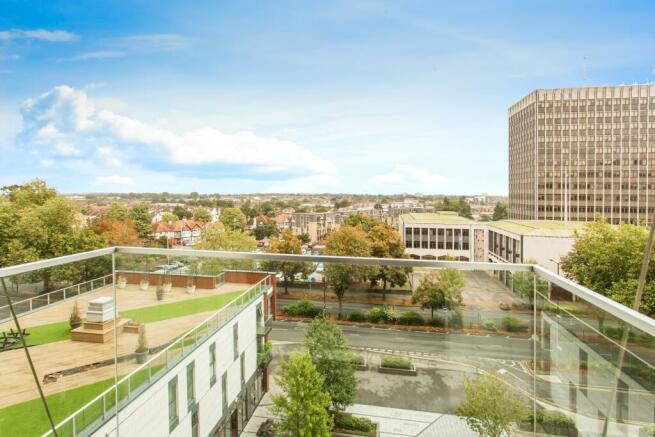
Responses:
[75,319]
[160,292]
[142,349]
[145,282]
[191,281]
[168,284]
[121,282]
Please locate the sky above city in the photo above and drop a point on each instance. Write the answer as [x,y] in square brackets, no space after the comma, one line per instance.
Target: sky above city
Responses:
[293,96]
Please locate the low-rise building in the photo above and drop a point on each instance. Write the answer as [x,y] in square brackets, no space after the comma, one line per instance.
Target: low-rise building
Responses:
[442,235]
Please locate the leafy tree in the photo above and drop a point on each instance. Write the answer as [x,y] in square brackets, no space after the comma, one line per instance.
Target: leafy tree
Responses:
[287,243]
[500,211]
[265,230]
[181,212]
[346,241]
[37,224]
[461,206]
[319,208]
[302,408]
[439,289]
[117,233]
[386,243]
[364,221]
[216,237]
[490,408]
[140,215]
[624,292]
[523,283]
[607,259]
[327,347]
[485,218]
[116,211]
[247,209]
[304,238]
[169,217]
[233,219]
[202,215]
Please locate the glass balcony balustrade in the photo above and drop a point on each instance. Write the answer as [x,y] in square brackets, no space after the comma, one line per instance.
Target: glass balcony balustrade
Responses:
[580,363]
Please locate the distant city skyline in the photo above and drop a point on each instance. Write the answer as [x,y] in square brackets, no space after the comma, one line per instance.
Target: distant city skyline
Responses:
[355,97]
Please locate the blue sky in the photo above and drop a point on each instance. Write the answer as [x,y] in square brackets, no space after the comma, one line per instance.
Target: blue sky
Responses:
[293,96]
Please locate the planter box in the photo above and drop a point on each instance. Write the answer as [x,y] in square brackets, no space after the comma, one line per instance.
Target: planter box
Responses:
[361,366]
[346,434]
[394,371]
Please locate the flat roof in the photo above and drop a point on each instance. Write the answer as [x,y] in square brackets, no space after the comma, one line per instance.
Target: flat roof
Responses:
[538,228]
[441,217]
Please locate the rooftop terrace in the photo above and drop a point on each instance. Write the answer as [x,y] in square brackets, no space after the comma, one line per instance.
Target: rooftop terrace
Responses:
[538,228]
[443,217]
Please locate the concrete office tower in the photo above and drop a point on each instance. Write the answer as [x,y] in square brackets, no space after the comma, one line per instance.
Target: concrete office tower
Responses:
[578,152]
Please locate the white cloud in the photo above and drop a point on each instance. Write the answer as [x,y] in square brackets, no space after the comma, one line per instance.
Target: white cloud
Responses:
[115,180]
[66,115]
[101,54]
[39,34]
[152,42]
[404,175]
[65,149]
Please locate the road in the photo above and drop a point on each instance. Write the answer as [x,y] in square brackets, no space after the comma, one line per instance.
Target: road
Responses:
[453,345]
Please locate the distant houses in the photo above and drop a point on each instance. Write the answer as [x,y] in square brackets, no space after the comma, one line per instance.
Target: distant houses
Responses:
[180,232]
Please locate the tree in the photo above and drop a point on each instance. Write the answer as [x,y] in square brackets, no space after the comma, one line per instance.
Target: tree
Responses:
[500,211]
[364,221]
[202,215]
[607,258]
[168,217]
[302,408]
[523,283]
[118,233]
[346,241]
[439,289]
[485,218]
[216,237]
[327,347]
[181,212]
[386,243]
[233,219]
[116,211]
[490,408]
[265,230]
[37,224]
[140,215]
[304,238]
[287,243]
[461,207]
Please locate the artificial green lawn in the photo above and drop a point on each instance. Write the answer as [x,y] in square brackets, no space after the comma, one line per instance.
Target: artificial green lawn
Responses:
[60,331]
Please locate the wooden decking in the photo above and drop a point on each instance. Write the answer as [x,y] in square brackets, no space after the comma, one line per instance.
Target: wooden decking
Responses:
[17,383]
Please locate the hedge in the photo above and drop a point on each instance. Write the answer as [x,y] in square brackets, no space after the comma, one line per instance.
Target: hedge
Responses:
[490,325]
[512,324]
[301,308]
[357,316]
[347,422]
[410,318]
[396,362]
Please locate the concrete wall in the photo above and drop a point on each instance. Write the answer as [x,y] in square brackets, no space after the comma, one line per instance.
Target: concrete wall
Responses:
[147,414]
[545,249]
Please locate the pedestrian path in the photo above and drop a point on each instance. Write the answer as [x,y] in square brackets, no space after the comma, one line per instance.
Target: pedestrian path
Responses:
[393,422]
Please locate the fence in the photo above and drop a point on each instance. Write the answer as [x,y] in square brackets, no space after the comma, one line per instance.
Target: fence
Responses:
[26,306]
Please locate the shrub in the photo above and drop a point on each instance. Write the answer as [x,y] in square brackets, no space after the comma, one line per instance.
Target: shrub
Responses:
[357,360]
[437,322]
[301,308]
[410,318]
[562,309]
[380,315]
[396,362]
[75,316]
[650,430]
[503,306]
[490,325]
[551,419]
[512,324]
[456,321]
[142,341]
[357,316]
[347,422]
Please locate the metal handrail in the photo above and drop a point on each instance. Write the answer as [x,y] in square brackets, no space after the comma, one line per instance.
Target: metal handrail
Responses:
[240,301]
[640,321]
[49,300]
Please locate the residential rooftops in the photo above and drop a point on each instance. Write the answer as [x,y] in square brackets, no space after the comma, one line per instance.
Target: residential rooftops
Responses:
[441,217]
[538,228]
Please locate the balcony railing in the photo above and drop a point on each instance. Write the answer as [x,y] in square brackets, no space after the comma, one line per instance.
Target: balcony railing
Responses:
[265,327]
[590,359]
[25,306]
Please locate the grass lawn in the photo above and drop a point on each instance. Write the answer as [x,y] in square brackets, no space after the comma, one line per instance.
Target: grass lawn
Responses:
[29,419]
[60,331]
